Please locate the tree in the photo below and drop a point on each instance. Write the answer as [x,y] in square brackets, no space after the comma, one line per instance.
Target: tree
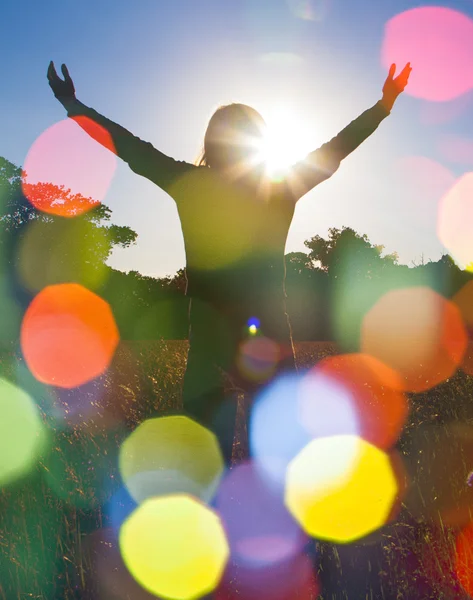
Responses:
[177,283]
[298,262]
[346,252]
[40,248]
[356,270]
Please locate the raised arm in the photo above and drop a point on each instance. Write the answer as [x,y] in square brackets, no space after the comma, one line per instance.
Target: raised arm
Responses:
[141,156]
[323,162]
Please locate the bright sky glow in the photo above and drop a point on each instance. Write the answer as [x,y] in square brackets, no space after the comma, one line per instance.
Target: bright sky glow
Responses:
[314,65]
[287,140]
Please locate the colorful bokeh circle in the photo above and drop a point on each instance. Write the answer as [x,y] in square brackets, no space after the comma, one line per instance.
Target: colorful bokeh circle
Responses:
[417,332]
[341,488]
[66,172]
[68,335]
[380,406]
[171,455]
[260,529]
[258,358]
[22,434]
[290,412]
[455,218]
[438,42]
[175,547]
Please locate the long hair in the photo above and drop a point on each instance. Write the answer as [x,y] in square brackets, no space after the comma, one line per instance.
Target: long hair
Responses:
[227,122]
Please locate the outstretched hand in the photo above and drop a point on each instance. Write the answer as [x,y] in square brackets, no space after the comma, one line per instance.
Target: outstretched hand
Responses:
[63,89]
[393,86]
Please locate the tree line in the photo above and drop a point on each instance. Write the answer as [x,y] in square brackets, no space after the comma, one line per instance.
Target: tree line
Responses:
[329,288]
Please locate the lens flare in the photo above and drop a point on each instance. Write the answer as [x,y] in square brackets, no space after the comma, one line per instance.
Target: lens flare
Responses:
[418,333]
[455,216]
[174,547]
[22,435]
[375,391]
[288,580]
[422,183]
[456,149]
[464,558]
[290,412]
[217,229]
[68,335]
[260,530]
[61,251]
[341,488]
[170,455]
[258,358]
[66,172]
[438,41]
[439,113]
[286,141]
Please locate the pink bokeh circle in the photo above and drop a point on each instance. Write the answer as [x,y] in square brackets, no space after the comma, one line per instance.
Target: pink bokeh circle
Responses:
[69,168]
[438,42]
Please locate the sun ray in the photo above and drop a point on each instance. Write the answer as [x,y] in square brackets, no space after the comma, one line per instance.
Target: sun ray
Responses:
[286,141]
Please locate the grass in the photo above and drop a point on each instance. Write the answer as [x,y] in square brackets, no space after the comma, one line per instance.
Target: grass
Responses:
[52,520]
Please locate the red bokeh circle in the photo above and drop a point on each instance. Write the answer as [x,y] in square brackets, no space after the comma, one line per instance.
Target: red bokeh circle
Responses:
[68,335]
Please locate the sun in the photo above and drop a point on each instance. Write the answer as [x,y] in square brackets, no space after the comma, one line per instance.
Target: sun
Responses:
[286,141]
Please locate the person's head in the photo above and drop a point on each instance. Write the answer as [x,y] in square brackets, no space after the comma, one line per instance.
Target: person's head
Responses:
[233,138]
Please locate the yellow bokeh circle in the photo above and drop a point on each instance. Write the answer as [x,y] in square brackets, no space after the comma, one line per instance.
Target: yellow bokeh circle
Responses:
[171,455]
[175,547]
[341,488]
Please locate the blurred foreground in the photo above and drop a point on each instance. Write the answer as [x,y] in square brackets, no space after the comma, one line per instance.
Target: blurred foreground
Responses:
[62,545]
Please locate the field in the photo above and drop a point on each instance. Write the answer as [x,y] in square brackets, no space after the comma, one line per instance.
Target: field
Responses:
[56,532]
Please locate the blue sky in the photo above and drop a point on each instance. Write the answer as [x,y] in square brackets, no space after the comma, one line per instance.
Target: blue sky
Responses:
[160,69]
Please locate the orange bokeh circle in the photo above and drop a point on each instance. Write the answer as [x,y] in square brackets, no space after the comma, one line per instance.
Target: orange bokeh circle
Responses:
[417,332]
[68,335]
[464,558]
[376,393]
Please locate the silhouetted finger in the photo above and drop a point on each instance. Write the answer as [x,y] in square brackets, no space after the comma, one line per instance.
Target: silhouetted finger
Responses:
[65,72]
[51,71]
[406,73]
[407,68]
[392,70]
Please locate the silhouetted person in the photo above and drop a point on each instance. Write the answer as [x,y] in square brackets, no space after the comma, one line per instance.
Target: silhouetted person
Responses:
[235,221]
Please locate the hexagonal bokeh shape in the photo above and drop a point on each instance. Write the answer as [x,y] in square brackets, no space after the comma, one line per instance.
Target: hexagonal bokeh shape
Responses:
[376,397]
[78,171]
[341,488]
[175,547]
[171,455]
[22,434]
[68,335]
[417,332]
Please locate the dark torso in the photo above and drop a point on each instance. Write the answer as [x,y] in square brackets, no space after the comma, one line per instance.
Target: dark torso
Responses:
[234,239]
